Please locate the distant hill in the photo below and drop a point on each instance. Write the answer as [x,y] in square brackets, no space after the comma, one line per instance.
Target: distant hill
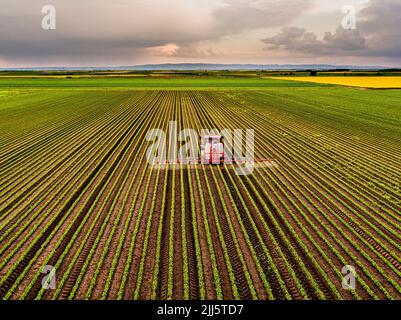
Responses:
[270,67]
[206,66]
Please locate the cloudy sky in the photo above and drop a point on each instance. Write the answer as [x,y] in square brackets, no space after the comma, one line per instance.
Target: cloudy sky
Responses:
[131,32]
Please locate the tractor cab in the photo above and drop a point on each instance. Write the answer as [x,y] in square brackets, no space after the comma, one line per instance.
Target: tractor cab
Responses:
[212,150]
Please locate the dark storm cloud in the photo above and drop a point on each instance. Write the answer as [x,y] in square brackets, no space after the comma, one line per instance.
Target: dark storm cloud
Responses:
[120,30]
[299,40]
[381,26]
[242,15]
[377,34]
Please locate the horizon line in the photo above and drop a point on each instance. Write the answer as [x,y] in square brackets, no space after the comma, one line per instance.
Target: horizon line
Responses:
[199,64]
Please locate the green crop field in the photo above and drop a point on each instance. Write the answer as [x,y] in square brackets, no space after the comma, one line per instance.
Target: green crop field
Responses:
[78,194]
[148,83]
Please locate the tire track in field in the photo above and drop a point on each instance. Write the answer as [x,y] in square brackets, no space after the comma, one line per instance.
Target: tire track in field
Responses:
[117,167]
[70,172]
[164,245]
[73,277]
[345,220]
[309,265]
[178,276]
[273,281]
[207,261]
[94,288]
[31,253]
[276,234]
[222,266]
[146,287]
[192,263]
[311,223]
[239,272]
[112,160]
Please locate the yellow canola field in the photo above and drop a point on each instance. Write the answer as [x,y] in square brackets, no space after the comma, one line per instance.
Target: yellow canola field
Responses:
[363,82]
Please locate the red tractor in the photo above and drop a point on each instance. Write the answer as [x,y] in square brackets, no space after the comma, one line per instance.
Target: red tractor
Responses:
[212,150]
